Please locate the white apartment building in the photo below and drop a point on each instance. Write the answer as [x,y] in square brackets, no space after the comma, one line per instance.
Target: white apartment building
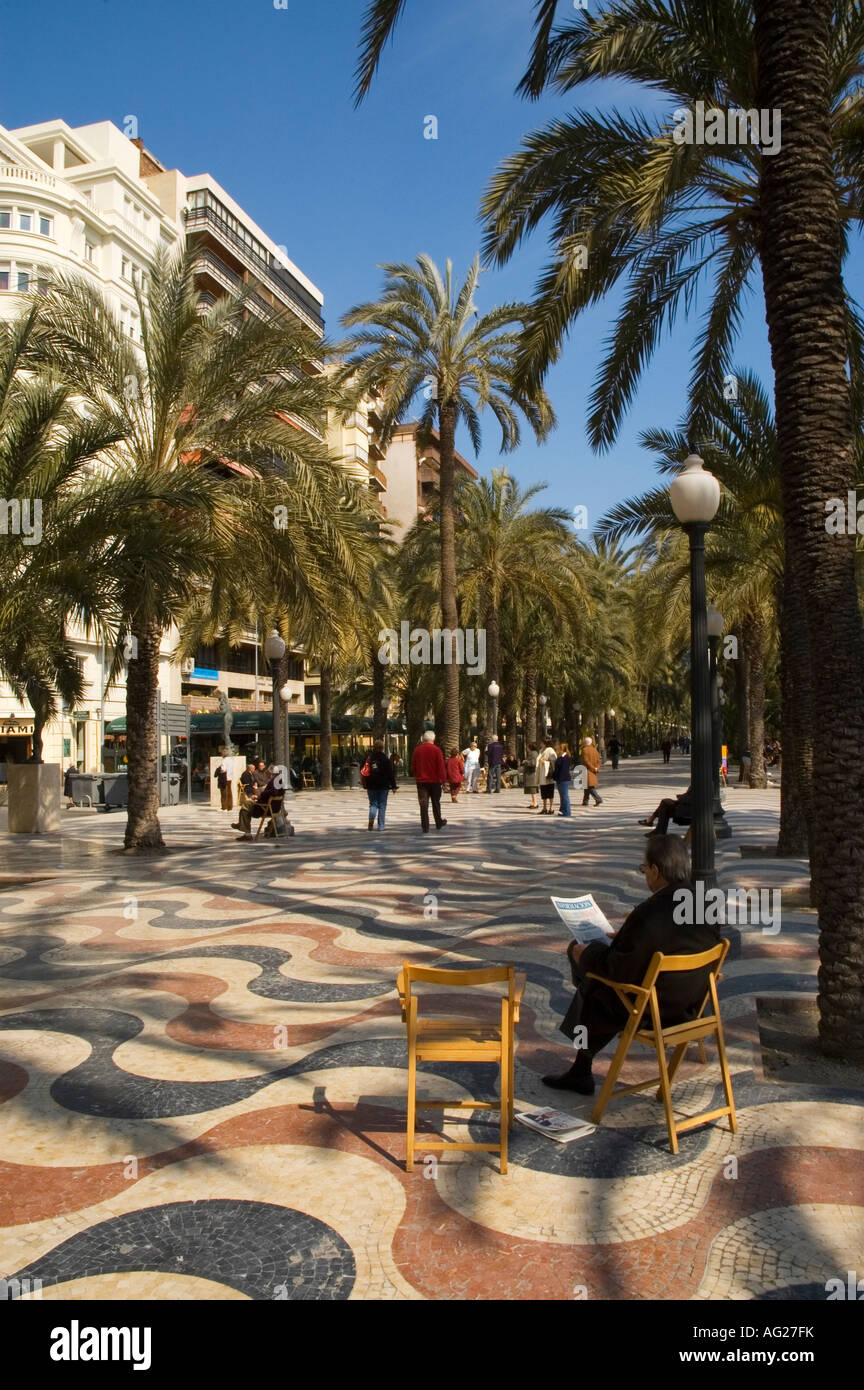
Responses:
[91,201]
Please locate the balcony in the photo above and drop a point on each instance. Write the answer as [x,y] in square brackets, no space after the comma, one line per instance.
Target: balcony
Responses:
[17,174]
[280,281]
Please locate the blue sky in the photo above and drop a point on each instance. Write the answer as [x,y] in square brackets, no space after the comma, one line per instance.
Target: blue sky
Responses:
[262,99]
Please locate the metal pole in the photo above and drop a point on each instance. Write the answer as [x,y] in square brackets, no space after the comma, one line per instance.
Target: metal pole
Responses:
[722,829]
[101,710]
[700,699]
[277,717]
[256,667]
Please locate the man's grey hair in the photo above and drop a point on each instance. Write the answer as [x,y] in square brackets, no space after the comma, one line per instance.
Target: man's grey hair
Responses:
[670,857]
[429,736]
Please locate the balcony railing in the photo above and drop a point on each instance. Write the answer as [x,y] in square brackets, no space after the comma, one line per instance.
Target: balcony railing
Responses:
[17,172]
[274,277]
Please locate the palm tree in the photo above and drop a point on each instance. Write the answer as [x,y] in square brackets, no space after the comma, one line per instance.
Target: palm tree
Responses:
[631,204]
[511,552]
[205,412]
[425,338]
[57,522]
[802,244]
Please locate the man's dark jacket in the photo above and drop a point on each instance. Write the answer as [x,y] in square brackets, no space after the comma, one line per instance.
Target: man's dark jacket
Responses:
[649,928]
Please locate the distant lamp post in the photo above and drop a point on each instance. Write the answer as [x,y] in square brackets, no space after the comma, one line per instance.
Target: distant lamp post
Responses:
[274,650]
[543,701]
[494,692]
[695,497]
[614,723]
[714,623]
[385,709]
[285,696]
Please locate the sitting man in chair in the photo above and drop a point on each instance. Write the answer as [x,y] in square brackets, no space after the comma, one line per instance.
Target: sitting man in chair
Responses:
[258,807]
[650,927]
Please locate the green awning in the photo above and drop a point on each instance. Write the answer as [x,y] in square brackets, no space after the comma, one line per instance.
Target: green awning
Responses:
[258,721]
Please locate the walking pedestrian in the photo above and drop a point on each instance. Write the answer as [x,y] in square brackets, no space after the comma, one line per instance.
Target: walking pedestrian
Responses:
[562,779]
[471,754]
[591,764]
[530,780]
[455,772]
[379,779]
[494,764]
[430,773]
[614,752]
[546,775]
[666,749]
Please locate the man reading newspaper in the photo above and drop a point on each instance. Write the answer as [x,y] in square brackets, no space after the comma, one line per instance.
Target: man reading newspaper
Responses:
[650,927]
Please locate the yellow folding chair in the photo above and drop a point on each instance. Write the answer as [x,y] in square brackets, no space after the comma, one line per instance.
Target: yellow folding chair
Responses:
[679,1036]
[269,817]
[460,1040]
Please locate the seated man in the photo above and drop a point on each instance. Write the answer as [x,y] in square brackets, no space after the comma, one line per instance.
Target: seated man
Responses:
[650,927]
[258,807]
[676,808]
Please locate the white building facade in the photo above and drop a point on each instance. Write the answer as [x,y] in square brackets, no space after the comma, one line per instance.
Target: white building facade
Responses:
[91,201]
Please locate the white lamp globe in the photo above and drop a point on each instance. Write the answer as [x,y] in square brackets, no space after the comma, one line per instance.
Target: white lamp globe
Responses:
[274,647]
[695,493]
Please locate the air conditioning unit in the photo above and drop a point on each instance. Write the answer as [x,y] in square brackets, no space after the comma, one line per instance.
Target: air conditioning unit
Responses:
[188,666]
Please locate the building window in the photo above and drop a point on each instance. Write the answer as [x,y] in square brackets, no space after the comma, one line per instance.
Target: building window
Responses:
[45,225]
[23,281]
[124,268]
[90,252]
[43,280]
[25,221]
[4,277]
[5,217]
[134,275]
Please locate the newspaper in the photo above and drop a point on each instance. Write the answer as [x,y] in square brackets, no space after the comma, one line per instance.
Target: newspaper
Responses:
[586,921]
[555,1124]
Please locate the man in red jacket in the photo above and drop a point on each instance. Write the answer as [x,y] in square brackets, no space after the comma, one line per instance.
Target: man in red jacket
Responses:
[430,773]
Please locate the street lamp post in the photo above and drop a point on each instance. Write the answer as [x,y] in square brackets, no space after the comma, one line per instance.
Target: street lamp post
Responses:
[542,701]
[695,497]
[274,650]
[494,692]
[722,828]
[385,709]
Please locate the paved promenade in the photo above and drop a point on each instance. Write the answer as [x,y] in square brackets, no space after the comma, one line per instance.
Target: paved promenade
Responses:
[202,1068]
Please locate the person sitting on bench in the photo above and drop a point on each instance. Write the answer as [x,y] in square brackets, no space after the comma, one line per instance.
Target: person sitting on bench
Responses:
[677,809]
[260,806]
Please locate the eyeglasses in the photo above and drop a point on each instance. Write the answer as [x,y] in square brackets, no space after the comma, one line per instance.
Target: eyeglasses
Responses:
[643,868]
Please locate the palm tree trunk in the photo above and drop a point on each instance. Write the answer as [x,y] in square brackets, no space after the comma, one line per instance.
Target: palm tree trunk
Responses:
[801,253]
[142,681]
[326,717]
[449,608]
[379,714]
[753,631]
[796,766]
[742,701]
[530,697]
[511,709]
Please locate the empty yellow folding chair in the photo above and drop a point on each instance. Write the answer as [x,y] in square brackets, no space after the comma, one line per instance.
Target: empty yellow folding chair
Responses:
[679,1036]
[460,1039]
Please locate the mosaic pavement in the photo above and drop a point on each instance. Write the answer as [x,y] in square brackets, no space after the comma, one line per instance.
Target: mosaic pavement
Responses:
[202,1069]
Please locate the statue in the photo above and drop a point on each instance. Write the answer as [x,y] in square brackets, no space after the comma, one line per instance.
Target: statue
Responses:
[227,721]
